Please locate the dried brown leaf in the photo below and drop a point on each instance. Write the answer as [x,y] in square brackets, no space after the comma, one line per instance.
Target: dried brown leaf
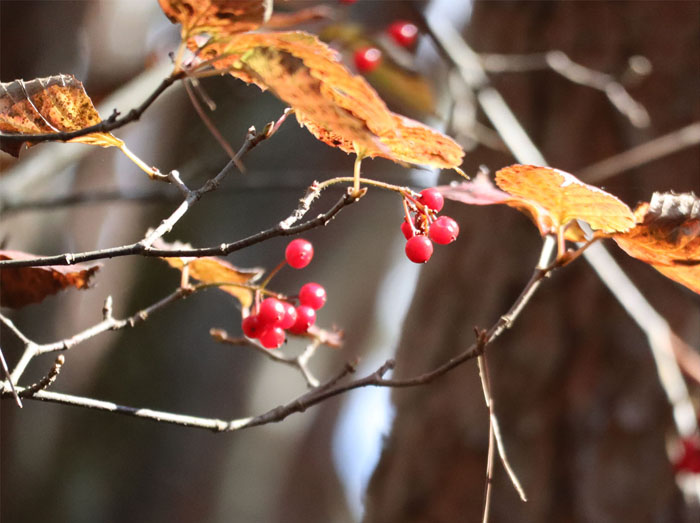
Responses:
[667,236]
[49,105]
[24,285]
[215,270]
[216,17]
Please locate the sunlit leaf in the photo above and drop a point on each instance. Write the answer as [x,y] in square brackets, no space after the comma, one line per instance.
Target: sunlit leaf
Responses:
[24,285]
[394,78]
[284,20]
[49,105]
[215,270]
[224,17]
[339,108]
[565,198]
[667,236]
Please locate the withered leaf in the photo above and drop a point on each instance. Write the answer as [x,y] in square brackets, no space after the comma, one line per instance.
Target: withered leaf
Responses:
[339,108]
[214,270]
[667,236]
[49,105]
[216,17]
[562,198]
[24,285]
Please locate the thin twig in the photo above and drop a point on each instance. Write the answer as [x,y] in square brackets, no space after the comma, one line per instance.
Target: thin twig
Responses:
[560,63]
[219,250]
[45,382]
[105,126]
[330,389]
[647,152]
[8,378]
[299,362]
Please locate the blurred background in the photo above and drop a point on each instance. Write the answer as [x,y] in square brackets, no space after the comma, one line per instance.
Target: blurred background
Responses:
[584,418]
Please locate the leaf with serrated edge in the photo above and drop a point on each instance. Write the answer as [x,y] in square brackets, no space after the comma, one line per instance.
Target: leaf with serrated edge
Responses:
[214,17]
[565,198]
[25,285]
[339,108]
[49,105]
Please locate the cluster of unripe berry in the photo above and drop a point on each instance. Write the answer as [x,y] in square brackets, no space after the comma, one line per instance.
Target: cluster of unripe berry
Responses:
[422,224]
[271,318]
[403,33]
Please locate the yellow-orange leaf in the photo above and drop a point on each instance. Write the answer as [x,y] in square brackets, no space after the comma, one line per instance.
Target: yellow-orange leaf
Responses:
[416,143]
[24,285]
[214,270]
[667,236]
[339,108]
[563,198]
[216,17]
[49,105]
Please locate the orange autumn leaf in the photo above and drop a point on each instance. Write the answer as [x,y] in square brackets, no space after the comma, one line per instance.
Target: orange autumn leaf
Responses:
[24,285]
[49,105]
[339,108]
[667,236]
[481,191]
[558,198]
[214,270]
[216,17]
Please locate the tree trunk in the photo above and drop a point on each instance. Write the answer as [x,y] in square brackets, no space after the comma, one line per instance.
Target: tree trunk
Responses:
[583,416]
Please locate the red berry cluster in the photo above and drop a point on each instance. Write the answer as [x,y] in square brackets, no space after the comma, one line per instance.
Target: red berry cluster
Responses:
[271,317]
[422,224]
[689,459]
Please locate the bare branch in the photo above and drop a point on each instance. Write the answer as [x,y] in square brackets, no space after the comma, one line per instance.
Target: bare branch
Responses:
[560,63]
[647,152]
[45,382]
[105,126]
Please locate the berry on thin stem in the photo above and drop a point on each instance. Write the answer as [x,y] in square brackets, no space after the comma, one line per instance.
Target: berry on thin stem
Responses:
[403,33]
[312,295]
[272,337]
[251,326]
[432,198]
[290,315]
[367,59]
[419,249]
[271,312]
[407,230]
[306,317]
[444,230]
[299,253]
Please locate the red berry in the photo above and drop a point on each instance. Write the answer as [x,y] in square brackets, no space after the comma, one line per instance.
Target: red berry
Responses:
[367,59]
[270,313]
[306,317]
[299,253]
[290,315]
[312,295]
[444,230]
[404,33]
[407,230]
[432,199]
[419,249]
[272,337]
[251,326]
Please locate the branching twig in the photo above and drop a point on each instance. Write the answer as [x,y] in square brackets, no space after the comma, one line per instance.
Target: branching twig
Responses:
[560,63]
[45,382]
[331,388]
[300,362]
[220,250]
